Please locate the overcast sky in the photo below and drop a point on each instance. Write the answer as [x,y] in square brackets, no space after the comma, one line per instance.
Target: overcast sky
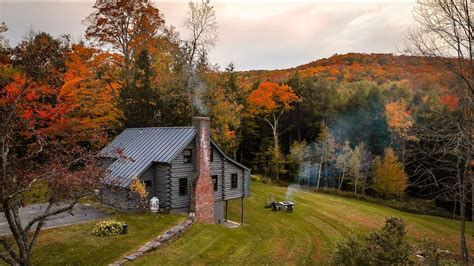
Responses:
[263,35]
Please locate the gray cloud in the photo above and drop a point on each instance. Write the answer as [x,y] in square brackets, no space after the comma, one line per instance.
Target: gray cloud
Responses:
[252,35]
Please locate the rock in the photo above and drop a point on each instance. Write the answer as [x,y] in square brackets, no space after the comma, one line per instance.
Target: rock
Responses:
[119,262]
[161,240]
[420,252]
[445,251]
[420,258]
[145,248]
[156,245]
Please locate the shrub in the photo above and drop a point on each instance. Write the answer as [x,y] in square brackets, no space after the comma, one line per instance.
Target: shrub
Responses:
[388,247]
[430,253]
[109,228]
[350,252]
[139,187]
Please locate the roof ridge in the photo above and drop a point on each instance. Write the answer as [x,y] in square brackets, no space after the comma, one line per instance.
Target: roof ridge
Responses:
[142,128]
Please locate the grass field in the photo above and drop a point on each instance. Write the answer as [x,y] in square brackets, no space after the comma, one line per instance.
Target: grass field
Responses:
[306,236]
[75,244]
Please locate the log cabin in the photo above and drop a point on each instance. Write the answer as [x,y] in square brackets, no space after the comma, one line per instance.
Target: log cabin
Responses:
[182,166]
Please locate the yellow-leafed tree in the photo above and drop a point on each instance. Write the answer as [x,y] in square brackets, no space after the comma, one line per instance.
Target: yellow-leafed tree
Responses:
[389,174]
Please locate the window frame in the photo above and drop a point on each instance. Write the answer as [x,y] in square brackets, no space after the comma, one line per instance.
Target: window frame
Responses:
[185,193]
[188,158]
[215,182]
[148,183]
[232,176]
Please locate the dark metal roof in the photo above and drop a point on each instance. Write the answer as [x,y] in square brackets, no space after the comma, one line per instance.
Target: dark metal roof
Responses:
[141,147]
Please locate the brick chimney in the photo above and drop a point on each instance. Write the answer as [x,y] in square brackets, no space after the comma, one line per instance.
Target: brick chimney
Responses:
[203,198]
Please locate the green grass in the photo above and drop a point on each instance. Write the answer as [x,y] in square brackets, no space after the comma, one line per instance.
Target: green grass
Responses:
[306,236]
[39,193]
[75,244]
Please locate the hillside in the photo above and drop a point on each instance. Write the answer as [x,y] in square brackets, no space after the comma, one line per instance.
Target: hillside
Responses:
[307,235]
[352,67]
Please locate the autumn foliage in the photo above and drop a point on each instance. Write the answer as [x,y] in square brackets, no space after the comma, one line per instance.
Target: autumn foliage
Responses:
[450,101]
[389,174]
[270,97]
[399,118]
[88,97]
[75,111]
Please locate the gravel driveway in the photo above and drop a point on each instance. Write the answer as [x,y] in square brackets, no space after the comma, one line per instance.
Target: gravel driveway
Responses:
[80,213]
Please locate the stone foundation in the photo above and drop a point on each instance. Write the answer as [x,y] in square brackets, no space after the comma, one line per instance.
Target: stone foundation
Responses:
[120,198]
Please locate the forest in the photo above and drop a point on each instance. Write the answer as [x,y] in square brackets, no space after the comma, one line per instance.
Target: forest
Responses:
[335,122]
[379,124]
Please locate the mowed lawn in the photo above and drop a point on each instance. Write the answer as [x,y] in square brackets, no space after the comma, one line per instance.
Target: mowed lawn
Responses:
[306,236]
[75,244]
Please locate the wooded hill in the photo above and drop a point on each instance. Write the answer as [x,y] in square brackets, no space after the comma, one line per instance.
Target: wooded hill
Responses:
[351,67]
[370,101]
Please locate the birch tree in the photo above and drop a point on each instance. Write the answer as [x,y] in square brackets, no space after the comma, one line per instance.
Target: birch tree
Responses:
[327,147]
[342,162]
[355,168]
[202,31]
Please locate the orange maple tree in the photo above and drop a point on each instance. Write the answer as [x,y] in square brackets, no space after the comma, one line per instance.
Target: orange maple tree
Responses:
[87,101]
[84,105]
[399,118]
[269,101]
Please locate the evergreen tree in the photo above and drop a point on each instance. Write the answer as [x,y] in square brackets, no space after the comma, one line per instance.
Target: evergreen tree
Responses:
[139,100]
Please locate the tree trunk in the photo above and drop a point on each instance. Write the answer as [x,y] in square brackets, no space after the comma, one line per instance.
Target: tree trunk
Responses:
[355,186]
[462,207]
[472,204]
[343,173]
[320,164]
[462,235]
[276,153]
[319,172]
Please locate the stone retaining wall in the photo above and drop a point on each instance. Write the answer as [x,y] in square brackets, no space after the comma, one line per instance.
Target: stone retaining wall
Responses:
[120,198]
[160,241]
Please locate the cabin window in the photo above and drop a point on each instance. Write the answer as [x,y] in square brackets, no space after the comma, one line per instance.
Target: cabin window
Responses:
[215,182]
[233,181]
[148,184]
[188,155]
[183,186]
[211,155]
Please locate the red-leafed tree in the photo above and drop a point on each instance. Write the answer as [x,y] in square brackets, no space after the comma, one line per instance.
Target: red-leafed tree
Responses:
[268,102]
[43,123]
[28,157]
